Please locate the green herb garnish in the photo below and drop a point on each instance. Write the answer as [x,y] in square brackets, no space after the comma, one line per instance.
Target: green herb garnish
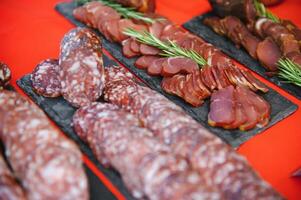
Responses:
[169,48]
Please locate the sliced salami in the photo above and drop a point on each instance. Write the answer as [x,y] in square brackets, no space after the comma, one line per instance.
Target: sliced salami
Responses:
[115,137]
[76,38]
[215,161]
[49,165]
[45,78]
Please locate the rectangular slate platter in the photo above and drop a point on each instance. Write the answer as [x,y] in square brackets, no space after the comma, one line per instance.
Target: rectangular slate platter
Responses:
[281,107]
[61,112]
[197,27]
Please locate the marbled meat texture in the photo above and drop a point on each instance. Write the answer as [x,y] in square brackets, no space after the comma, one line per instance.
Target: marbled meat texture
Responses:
[45,78]
[217,162]
[284,38]
[267,52]
[111,25]
[152,171]
[48,165]
[9,188]
[81,67]
[238,107]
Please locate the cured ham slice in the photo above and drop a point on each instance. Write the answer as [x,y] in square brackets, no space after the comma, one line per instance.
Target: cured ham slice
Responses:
[189,87]
[143,62]
[235,30]
[148,50]
[208,78]
[155,67]
[268,54]
[251,112]
[222,107]
[192,96]
[238,107]
[135,45]
[280,34]
[262,107]
[126,49]
[177,65]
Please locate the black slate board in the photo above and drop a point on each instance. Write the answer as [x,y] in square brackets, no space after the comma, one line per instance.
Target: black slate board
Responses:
[61,112]
[197,27]
[281,107]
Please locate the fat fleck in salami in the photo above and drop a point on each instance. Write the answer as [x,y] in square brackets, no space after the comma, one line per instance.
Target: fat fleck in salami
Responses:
[215,161]
[9,188]
[5,75]
[81,67]
[45,78]
[47,163]
[147,166]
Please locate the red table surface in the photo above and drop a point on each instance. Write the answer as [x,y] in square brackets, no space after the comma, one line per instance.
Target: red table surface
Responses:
[31,31]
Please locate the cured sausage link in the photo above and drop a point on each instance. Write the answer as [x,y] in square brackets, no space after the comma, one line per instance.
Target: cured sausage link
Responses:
[49,166]
[147,166]
[81,67]
[9,188]
[211,157]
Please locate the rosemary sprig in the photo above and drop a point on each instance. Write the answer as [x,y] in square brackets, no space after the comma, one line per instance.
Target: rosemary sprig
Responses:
[126,12]
[169,48]
[289,71]
[263,12]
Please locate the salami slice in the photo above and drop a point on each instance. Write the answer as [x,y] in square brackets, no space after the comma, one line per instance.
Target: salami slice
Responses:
[81,67]
[76,38]
[5,75]
[49,165]
[45,78]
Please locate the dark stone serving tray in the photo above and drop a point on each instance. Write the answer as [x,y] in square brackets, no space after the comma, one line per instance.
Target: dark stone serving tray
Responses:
[197,27]
[281,107]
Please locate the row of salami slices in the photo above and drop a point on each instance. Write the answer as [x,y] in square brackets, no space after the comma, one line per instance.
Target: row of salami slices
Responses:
[148,167]
[172,136]
[45,164]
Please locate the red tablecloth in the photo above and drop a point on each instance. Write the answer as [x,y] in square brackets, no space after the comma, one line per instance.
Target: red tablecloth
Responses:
[31,31]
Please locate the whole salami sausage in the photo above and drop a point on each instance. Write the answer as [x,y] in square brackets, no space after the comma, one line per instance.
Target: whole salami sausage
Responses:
[147,166]
[81,67]
[49,166]
[9,188]
[212,158]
